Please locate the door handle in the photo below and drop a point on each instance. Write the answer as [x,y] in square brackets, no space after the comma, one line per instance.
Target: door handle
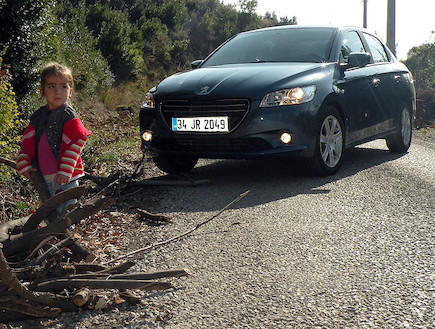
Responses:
[375,82]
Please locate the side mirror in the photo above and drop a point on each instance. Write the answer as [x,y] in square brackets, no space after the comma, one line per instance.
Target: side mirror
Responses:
[358,59]
[196,64]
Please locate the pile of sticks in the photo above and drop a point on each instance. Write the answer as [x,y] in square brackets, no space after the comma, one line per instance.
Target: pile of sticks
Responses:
[44,270]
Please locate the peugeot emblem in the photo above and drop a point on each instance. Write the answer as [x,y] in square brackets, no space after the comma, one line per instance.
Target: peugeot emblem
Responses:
[204,90]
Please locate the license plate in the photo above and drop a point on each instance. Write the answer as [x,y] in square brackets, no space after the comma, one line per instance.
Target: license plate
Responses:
[200,124]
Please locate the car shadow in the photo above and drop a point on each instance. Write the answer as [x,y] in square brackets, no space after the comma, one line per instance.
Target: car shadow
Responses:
[267,181]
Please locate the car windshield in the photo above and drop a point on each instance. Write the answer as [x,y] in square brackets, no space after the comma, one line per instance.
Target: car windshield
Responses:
[276,45]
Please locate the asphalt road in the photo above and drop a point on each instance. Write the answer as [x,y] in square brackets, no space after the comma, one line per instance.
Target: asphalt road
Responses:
[355,250]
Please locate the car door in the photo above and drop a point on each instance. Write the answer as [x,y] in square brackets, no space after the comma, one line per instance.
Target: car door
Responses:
[357,88]
[384,83]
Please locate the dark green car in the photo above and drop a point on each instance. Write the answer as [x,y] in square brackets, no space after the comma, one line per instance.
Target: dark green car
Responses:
[281,92]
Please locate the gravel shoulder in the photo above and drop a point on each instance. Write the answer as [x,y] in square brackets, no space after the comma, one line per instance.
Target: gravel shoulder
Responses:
[350,251]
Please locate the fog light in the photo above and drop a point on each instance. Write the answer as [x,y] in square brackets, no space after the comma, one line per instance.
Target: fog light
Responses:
[286,138]
[147,136]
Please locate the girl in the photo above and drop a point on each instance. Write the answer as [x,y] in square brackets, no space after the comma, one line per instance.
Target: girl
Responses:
[55,136]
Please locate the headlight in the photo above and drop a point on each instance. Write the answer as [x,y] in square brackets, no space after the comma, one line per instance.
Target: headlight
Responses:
[291,96]
[148,102]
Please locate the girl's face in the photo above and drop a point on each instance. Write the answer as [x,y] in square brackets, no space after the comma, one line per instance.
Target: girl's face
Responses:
[56,91]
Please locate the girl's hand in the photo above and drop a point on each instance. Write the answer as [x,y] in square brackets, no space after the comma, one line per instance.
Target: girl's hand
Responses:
[61,179]
[27,172]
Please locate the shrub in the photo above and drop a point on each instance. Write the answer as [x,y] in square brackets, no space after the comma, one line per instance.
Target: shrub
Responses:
[9,121]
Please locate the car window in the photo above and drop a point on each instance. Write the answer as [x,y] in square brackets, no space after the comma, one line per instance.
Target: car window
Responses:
[377,49]
[351,44]
[276,45]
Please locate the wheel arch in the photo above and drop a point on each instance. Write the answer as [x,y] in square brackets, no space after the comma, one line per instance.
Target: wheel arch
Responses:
[334,100]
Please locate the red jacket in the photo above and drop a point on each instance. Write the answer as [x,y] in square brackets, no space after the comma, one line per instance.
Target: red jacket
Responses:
[69,161]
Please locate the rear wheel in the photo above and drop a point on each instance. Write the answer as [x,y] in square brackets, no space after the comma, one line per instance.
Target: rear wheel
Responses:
[329,149]
[175,165]
[400,141]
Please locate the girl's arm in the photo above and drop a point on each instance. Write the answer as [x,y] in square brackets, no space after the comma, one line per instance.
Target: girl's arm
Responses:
[27,152]
[68,161]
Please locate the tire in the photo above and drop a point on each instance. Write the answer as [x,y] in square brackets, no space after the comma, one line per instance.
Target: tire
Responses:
[329,147]
[400,141]
[173,165]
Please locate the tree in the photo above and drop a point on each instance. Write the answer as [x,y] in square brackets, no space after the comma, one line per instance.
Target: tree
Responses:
[26,34]
[248,6]
[112,30]
[9,121]
[77,48]
[421,62]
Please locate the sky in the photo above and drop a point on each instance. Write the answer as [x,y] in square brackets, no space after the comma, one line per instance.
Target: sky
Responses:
[415,19]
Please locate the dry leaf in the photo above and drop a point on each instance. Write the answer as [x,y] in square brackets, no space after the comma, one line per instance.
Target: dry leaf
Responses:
[118,300]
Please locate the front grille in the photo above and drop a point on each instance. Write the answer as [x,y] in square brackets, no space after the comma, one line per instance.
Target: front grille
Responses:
[235,109]
[211,145]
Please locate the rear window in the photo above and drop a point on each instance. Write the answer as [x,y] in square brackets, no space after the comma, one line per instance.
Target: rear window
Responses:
[276,45]
[377,49]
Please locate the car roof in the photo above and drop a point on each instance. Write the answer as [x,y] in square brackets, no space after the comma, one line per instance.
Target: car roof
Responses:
[332,27]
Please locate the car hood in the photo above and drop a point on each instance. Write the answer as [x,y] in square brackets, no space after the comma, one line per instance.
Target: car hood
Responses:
[239,80]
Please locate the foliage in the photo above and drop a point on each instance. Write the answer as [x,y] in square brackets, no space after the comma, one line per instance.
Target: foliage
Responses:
[37,31]
[9,125]
[113,40]
[112,30]
[248,6]
[77,48]
[421,62]
[25,32]
[9,120]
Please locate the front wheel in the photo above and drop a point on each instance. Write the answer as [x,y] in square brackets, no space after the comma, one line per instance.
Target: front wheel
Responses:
[175,165]
[400,141]
[329,148]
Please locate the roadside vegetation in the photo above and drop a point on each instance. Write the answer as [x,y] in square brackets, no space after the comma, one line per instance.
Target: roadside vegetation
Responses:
[118,50]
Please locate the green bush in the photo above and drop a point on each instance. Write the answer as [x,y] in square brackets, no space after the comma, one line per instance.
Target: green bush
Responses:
[9,121]
[421,62]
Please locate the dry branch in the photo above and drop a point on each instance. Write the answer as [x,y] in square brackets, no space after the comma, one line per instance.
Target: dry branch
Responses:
[8,163]
[130,297]
[40,269]
[153,217]
[156,182]
[88,267]
[50,252]
[51,204]
[7,227]
[175,273]
[24,241]
[121,268]
[81,297]
[40,185]
[81,252]
[60,284]
[101,180]
[10,279]
[153,275]
[16,304]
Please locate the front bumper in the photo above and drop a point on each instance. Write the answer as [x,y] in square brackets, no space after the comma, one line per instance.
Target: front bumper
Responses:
[256,136]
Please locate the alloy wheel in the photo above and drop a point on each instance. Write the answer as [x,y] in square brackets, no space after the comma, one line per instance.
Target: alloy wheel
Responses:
[405,126]
[331,141]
